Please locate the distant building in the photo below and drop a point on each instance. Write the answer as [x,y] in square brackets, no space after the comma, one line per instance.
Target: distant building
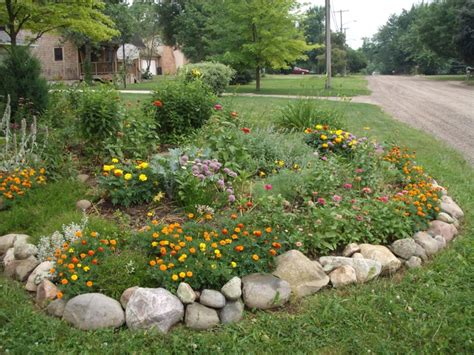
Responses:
[62,60]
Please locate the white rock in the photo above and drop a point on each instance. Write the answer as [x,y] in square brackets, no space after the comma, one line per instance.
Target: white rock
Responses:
[24,250]
[441,241]
[304,275]
[7,242]
[232,312]
[83,205]
[9,257]
[45,292]
[153,308]
[380,253]
[185,293]
[23,268]
[56,308]
[126,295]
[232,290]
[212,298]
[427,242]
[265,291]
[91,311]
[342,276]
[446,230]
[41,272]
[413,262]
[444,217]
[350,249]
[200,317]
[366,269]
[404,248]
[450,207]
[357,256]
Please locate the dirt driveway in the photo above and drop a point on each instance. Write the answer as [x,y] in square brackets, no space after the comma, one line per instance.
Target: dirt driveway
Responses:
[442,108]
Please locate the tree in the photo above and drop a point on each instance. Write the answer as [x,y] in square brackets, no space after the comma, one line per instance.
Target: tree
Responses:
[314,26]
[40,17]
[465,37]
[356,60]
[257,33]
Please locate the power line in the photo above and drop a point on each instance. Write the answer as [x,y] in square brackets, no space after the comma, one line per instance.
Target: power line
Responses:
[340,14]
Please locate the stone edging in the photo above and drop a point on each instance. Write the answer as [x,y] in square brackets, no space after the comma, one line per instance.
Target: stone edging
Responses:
[295,274]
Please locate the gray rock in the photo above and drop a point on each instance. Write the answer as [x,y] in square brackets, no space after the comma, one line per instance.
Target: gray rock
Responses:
[83,205]
[441,241]
[56,308]
[153,308]
[427,242]
[232,312]
[342,276]
[404,248]
[23,268]
[450,207]
[8,257]
[212,298]
[350,249]
[304,275]
[21,239]
[232,290]
[126,295]
[82,178]
[444,217]
[45,292]
[357,256]
[446,230]
[200,317]
[413,262]
[456,223]
[380,253]
[366,269]
[185,293]
[91,311]
[265,291]
[8,241]
[41,272]
[420,252]
[24,250]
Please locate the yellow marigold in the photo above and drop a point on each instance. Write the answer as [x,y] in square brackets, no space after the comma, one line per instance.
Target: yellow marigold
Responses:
[115,160]
[233,264]
[182,275]
[255,257]
[174,277]
[324,137]
[128,176]
[74,277]
[108,168]
[324,145]
[319,126]
[143,177]
[143,165]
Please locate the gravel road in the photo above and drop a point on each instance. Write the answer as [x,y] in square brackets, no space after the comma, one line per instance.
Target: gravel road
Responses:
[442,108]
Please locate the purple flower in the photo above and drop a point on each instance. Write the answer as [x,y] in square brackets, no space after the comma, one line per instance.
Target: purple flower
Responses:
[226,170]
[183,160]
[221,183]
[231,198]
[324,158]
[201,177]
[229,191]
[233,174]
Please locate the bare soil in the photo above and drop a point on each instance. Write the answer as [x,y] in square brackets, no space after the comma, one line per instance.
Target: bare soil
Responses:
[442,108]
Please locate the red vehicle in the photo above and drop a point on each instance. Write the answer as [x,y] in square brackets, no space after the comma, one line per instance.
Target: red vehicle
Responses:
[302,71]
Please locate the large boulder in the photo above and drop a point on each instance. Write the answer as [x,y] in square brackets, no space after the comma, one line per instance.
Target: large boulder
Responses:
[200,317]
[232,290]
[427,242]
[232,312]
[92,311]
[450,207]
[42,271]
[265,291]
[404,248]
[212,298]
[8,241]
[126,295]
[45,292]
[380,253]
[342,276]
[185,293]
[24,250]
[153,308]
[366,269]
[446,230]
[304,275]
[21,269]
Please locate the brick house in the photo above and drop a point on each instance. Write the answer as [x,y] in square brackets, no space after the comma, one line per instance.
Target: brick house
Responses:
[63,60]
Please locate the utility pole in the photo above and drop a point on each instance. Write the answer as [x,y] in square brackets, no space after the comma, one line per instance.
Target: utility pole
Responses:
[340,16]
[328,44]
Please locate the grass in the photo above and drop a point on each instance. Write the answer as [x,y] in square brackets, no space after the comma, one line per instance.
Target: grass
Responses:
[460,77]
[150,84]
[429,310]
[305,85]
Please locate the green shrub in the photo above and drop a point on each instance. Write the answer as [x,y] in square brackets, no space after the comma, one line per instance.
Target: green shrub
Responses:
[242,77]
[216,75]
[99,114]
[304,113]
[21,79]
[180,107]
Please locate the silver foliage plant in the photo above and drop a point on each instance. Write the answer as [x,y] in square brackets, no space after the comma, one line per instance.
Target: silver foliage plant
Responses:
[49,244]
[18,152]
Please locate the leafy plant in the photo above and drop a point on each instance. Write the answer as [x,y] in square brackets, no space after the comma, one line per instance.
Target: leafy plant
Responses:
[303,113]
[216,75]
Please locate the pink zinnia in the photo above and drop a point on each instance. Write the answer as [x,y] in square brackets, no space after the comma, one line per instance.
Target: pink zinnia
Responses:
[348,186]
[218,107]
[321,201]
[359,171]
[299,244]
[268,187]
[337,198]
[384,199]
[367,190]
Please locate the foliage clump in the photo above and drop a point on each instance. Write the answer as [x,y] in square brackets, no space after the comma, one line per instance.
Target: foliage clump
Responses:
[216,75]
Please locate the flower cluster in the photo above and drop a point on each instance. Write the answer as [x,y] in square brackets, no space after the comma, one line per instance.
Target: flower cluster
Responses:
[324,138]
[129,182]
[16,184]
[419,195]
[205,257]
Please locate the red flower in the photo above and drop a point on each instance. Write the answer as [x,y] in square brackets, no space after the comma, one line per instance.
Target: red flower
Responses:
[158,103]
[218,107]
[268,187]
[246,130]
[233,114]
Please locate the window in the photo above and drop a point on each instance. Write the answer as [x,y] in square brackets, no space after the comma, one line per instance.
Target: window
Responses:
[58,54]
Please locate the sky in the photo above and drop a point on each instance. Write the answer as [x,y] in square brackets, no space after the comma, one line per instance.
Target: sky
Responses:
[364,16]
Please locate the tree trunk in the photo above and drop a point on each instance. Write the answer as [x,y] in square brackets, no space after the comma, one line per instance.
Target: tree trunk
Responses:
[12,32]
[124,66]
[257,78]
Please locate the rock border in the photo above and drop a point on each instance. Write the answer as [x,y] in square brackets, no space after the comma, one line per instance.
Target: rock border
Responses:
[295,276]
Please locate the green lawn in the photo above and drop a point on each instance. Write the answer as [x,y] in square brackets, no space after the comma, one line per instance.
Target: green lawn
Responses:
[305,85]
[429,310]
[460,77]
[150,84]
